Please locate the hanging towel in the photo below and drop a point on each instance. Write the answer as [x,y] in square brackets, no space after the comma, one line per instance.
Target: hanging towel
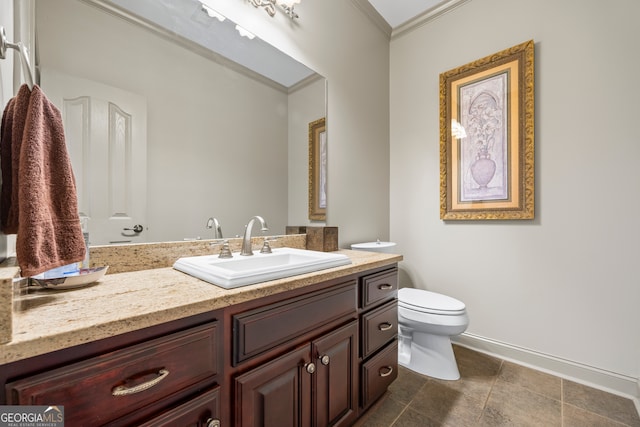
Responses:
[49,231]
[13,119]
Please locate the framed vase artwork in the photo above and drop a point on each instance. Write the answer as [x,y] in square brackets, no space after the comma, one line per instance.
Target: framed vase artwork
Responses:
[487,137]
[317,170]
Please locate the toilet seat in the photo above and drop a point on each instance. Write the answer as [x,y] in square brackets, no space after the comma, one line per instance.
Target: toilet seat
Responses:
[429,302]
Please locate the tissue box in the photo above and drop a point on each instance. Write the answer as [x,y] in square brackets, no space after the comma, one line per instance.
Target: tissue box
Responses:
[324,239]
[295,229]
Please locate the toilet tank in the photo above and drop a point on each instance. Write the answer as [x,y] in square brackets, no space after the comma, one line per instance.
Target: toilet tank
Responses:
[377,246]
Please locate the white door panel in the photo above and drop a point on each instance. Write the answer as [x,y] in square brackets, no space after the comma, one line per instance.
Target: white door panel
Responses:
[106,132]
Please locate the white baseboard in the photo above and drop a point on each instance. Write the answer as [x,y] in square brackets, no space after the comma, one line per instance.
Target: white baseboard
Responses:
[611,382]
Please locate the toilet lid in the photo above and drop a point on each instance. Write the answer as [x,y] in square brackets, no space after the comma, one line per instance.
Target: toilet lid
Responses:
[430,302]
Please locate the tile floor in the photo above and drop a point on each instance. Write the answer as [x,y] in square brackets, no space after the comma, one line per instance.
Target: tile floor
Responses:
[493,392]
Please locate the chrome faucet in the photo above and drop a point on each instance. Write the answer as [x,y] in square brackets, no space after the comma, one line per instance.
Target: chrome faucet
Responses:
[217,230]
[246,241]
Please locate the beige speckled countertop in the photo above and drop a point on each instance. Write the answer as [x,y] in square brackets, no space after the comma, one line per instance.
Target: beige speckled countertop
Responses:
[49,320]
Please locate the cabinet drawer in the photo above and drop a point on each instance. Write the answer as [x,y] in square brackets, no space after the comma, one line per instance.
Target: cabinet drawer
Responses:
[262,329]
[378,287]
[200,411]
[104,388]
[379,326]
[378,373]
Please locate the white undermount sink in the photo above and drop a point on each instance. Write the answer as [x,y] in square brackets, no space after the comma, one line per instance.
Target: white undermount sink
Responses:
[246,270]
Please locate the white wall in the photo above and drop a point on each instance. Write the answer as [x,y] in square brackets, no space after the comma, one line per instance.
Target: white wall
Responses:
[303,109]
[216,146]
[354,56]
[565,285]
[337,40]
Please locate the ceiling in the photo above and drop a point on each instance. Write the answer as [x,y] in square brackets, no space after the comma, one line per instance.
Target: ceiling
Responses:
[398,12]
[188,20]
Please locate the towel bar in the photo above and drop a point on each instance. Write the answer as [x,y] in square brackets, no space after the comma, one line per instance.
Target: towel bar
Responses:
[24,56]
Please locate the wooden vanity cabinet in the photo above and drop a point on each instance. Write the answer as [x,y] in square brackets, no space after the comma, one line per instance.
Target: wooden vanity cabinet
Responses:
[378,307]
[313,385]
[316,359]
[319,355]
[171,379]
[296,360]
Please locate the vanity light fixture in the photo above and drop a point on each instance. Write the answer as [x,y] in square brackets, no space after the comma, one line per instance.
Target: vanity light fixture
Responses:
[212,13]
[245,33]
[270,6]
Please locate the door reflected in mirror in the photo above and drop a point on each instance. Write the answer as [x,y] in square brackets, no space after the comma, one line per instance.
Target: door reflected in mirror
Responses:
[221,141]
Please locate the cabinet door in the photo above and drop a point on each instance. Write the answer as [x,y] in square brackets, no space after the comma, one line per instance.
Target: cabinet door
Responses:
[276,394]
[336,360]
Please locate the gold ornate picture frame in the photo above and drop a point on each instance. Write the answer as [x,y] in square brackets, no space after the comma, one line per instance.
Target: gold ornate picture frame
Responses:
[317,170]
[487,137]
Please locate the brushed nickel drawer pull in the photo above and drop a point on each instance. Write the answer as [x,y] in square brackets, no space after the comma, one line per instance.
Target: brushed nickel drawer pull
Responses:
[122,390]
[385,326]
[212,423]
[385,287]
[383,373]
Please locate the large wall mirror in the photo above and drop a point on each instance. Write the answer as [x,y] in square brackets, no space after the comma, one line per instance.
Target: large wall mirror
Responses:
[161,126]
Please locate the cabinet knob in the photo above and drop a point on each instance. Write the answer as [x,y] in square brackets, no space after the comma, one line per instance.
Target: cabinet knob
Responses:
[310,367]
[212,423]
[325,360]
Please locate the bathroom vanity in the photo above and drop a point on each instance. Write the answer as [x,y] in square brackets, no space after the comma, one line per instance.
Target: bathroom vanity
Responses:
[159,347]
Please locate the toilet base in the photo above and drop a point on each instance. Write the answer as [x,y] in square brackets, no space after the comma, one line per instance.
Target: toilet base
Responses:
[430,355]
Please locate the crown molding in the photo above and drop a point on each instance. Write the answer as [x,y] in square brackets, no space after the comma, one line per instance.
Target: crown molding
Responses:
[168,35]
[426,17]
[367,8]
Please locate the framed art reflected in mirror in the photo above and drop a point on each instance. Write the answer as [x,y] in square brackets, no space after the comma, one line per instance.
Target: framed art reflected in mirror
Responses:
[317,170]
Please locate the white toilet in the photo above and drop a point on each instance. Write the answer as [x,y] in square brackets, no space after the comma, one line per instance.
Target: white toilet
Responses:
[426,321]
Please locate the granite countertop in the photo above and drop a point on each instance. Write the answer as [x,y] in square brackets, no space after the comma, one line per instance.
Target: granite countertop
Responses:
[49,320]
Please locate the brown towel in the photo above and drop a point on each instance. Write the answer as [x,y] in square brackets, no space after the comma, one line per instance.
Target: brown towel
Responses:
[49,231]
[13,119]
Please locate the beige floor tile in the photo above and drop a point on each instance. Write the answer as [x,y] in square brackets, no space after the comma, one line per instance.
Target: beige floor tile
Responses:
[576,417]
[478,372]
[447,405]
[474,364]
[408,383]
[600,402]
[411,418]
[513,405]
[494,393]
[531,379]
[382,414]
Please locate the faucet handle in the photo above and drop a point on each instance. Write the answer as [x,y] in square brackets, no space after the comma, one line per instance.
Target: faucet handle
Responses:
[225,251]
[266,248]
